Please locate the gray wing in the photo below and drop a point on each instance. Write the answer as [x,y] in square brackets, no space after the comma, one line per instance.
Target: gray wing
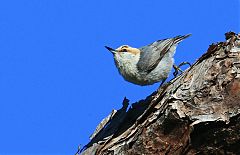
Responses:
[152,54]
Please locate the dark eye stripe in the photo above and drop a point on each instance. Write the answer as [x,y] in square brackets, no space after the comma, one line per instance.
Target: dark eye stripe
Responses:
[124,50]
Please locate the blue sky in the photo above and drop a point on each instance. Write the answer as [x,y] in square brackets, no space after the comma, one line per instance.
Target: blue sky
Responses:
[57,81]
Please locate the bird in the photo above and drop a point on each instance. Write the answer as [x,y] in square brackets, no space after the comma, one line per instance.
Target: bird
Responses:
[148,64]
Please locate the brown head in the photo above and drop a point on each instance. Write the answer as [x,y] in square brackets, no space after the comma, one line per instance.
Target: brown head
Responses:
[124,48]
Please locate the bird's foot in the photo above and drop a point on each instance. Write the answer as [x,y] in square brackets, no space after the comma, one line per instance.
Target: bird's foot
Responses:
[162,82]
[163,85]
[177,68]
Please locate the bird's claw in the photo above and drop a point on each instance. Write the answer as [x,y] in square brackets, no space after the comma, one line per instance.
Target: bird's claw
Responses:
[177,68]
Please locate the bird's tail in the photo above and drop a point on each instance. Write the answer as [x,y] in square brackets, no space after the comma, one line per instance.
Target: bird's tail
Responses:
[179,38]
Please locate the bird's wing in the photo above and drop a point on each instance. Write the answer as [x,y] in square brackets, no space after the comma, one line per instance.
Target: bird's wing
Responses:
[152,54]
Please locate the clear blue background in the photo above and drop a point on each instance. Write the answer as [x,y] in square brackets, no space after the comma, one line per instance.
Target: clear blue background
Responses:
[57,81]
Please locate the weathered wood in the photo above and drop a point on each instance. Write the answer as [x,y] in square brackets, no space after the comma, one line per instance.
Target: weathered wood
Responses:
[196,113]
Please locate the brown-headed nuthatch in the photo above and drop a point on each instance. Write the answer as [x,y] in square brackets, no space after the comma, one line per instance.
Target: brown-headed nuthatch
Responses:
[148,64]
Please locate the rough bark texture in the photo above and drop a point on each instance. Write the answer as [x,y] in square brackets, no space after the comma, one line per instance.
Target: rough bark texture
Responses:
[196,113]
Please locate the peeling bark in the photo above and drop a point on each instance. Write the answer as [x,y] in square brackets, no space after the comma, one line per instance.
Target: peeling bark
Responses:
[195,113]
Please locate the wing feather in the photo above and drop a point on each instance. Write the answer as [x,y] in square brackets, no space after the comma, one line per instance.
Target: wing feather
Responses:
[152,54]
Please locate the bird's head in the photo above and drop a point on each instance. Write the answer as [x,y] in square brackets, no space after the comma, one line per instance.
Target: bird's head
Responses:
[124,50]
[126,59]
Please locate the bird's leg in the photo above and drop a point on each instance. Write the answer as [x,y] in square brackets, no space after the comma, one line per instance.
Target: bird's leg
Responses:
[163,85]
[184,63]
[177,68]
[162,82]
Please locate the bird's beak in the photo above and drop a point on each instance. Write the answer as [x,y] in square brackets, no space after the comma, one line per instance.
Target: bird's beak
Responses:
[113,51]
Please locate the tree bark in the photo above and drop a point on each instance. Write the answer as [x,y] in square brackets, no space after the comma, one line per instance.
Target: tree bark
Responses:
[195,113]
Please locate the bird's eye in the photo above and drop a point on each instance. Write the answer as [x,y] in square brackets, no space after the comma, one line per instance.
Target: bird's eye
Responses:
[124,50]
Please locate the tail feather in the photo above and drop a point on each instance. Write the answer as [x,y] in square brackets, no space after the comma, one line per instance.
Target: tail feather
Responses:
[179,38]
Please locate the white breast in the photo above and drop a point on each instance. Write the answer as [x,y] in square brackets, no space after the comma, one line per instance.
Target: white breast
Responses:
[127,67]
